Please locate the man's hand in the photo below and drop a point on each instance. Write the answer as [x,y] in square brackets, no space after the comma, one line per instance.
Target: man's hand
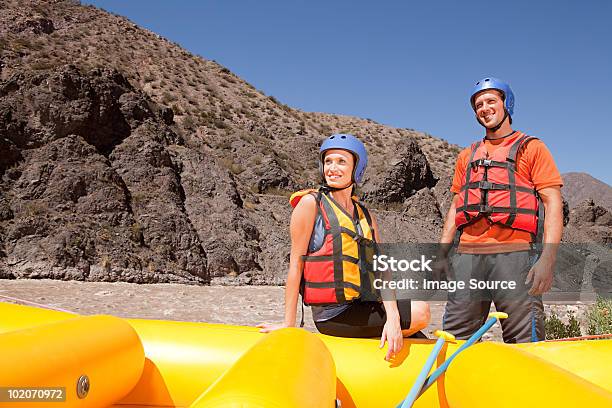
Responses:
[392,334]
[440,269]
[542,276]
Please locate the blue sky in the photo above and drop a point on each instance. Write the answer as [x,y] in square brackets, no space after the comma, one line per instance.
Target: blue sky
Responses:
[411,64]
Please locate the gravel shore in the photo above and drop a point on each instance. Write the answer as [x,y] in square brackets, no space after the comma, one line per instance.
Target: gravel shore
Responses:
[237,305]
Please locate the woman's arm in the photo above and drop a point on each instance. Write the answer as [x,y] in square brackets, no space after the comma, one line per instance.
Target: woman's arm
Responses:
[390,305]
[302,223]
[300,228]
[392,332]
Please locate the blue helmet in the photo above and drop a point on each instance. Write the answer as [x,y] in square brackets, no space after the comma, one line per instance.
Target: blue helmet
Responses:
[349,143]
[497,84]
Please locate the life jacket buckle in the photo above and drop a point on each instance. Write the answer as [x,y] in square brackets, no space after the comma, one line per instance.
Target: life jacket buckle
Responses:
[486,185]
[361,240]
[486,162]
[485,209]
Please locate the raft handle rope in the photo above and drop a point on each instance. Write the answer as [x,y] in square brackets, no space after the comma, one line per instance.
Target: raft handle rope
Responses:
[57,309]
[587,337]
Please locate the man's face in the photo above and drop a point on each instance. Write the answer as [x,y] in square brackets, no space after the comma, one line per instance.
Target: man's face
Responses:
[489,108]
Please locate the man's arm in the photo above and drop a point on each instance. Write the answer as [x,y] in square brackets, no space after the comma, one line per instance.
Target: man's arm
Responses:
[542,271]
[440,266]
[553,221]
[449,230]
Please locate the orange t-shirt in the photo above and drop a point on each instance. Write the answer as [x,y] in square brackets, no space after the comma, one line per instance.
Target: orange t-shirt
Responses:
[535,162]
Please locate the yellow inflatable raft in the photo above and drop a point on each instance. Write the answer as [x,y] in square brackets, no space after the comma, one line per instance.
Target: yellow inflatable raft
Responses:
[102,361]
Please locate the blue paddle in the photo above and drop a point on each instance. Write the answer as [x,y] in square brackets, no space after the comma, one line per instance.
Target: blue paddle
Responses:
[493,318]
[424,385]
[416,387]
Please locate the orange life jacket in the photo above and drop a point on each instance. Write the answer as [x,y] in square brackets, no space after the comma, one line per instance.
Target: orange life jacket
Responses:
[340,271]
[494,189]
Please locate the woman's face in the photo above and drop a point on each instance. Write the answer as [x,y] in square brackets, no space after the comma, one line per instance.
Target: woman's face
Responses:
[338,168]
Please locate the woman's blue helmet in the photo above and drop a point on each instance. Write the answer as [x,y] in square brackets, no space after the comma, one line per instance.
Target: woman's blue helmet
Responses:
[349,143]
[499,85]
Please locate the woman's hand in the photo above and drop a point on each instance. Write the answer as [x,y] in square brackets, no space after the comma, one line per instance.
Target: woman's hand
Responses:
[392,334]
[270,327]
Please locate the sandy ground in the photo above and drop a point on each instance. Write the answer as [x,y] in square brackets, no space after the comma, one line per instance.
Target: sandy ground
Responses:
[238,305]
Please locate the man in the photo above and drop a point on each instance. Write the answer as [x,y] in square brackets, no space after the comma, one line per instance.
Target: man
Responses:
[503,185]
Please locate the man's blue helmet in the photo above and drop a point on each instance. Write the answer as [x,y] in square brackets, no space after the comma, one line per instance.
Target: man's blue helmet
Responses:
[498,84]
[349,143]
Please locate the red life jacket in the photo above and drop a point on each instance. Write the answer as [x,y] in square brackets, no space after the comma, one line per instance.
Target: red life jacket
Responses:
[340,271]
[494,189]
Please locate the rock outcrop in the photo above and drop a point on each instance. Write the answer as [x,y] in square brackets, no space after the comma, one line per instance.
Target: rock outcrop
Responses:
[95,185]
[593,220]
[406,172]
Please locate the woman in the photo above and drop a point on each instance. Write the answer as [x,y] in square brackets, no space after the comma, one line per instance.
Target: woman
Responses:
[332,237]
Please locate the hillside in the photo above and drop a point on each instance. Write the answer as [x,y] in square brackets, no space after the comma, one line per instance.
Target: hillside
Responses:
[125,157]
[580,187]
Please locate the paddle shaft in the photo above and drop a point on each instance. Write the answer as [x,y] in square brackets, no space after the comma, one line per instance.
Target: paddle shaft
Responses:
[473,339]
[416,387]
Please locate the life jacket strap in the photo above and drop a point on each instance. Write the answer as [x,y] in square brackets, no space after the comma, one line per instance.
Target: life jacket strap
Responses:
[539,238]
[468,171]
[302,321]
[368,217]
[514,150]
[327,285]
[328,258]
[512,158]
[487,185]
[486,209]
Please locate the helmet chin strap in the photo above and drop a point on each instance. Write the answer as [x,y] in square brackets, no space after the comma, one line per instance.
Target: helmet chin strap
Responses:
[496,127]
[330,188]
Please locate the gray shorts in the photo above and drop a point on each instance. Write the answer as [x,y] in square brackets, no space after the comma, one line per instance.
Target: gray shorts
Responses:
[467,309]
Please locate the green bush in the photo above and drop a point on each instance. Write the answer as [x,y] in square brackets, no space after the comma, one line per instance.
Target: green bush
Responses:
[599,317]
[556,329]
[573,326]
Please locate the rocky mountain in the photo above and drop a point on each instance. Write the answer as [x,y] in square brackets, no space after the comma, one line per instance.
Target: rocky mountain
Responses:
[580,187]
[125,157]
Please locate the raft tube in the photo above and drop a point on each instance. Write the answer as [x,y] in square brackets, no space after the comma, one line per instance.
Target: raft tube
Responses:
[83,362]
[184,360]
[284,367]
